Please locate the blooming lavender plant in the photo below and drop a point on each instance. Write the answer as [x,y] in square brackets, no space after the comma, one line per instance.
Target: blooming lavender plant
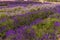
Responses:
[15,24]
[45,27]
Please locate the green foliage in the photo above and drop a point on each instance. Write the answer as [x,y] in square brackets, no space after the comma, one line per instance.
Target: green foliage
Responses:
[47,26]
[23,12]
[10,11]
[3,4]
[52,0]
[42,15]
[2,34]
[3,15]
[2,10]
[33,17]
[23,21]
[9,24]
[28,34]
[17,9]
[26,20]
[57,30]
[32,10]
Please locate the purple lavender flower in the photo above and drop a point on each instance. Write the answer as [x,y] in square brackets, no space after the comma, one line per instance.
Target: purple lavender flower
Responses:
[19,33]
[10,32]
[58,8]
[51,36]
[57,23]
[19,37]
[3,28]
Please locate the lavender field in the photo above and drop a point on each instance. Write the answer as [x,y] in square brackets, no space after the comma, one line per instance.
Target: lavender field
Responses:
[29,21]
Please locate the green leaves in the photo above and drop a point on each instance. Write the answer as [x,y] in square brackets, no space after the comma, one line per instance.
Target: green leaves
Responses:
[32,10]
[8,23]
[2,34]
[3,15]
[3,4]
[47,26]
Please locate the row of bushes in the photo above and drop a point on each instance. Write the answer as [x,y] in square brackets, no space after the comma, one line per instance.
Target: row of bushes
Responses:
[13,22]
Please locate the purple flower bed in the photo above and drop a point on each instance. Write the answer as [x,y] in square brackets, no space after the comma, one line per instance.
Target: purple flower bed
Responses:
[34,25]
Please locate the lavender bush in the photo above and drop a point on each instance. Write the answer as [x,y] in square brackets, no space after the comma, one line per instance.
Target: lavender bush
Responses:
[15,23]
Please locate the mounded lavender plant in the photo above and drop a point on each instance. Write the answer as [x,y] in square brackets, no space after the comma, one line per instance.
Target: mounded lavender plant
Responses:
[16,26]
[45,27]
